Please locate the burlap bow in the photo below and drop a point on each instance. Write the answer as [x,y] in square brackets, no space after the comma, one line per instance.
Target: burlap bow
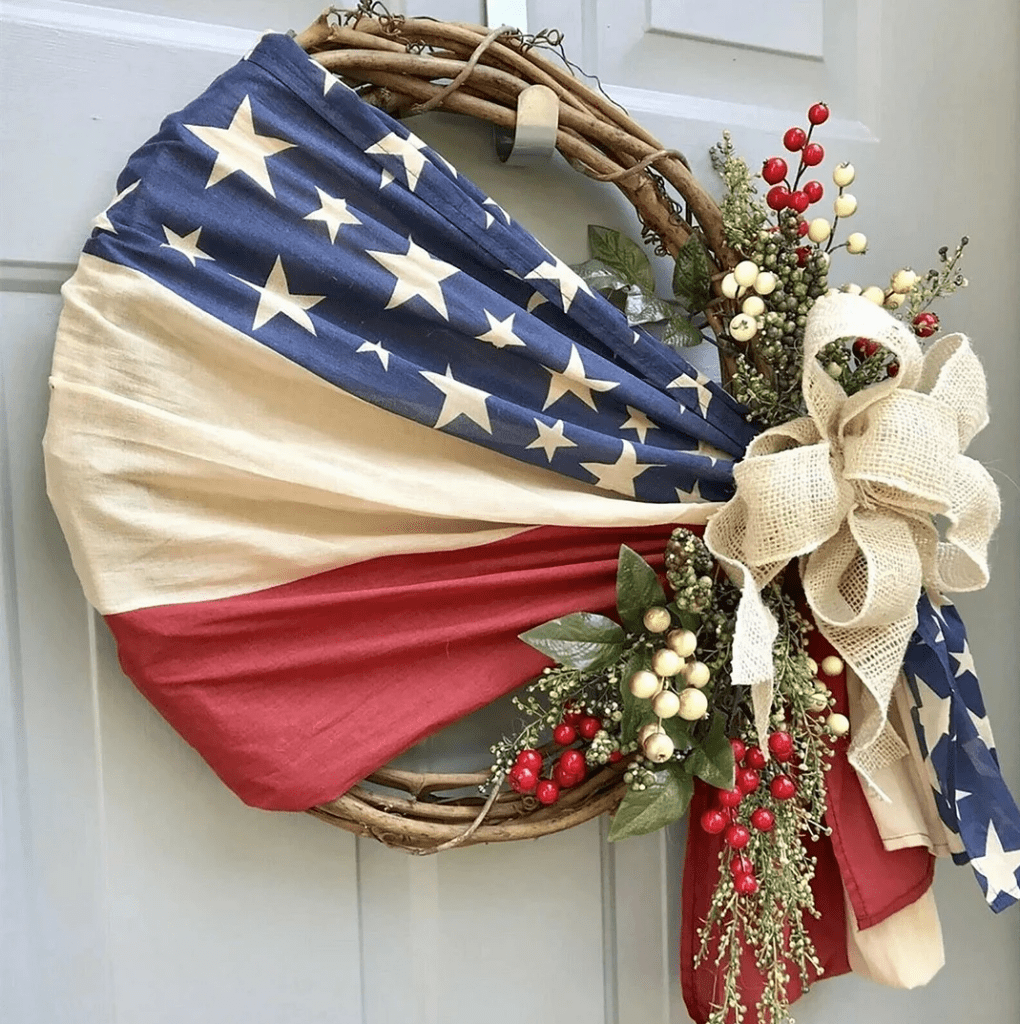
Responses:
[855,489]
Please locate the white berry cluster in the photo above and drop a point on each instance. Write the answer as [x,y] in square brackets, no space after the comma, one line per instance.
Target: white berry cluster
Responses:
[675,661]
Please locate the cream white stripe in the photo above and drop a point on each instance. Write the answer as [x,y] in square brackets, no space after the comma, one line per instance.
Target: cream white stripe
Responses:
[187,462]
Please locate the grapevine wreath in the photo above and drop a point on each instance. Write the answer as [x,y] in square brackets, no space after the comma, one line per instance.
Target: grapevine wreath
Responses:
[295,396]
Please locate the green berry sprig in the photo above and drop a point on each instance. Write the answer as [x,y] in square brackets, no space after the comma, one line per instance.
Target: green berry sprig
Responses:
[763,898]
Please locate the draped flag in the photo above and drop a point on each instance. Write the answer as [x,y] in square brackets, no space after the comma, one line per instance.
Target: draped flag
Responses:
[329,428]
[956,742]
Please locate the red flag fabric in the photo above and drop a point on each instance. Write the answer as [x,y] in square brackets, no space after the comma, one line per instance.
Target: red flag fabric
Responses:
[294,693]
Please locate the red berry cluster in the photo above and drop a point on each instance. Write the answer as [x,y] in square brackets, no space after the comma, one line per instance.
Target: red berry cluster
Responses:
[568,770]
[783,195]
[724,819]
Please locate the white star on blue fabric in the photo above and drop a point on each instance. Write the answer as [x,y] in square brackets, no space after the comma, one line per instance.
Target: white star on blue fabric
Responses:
[964,661]
[239,148]
[550,439]
[332,212]
[984,729]
[568,280]
[377,348]
[693,494]
[573,380]
[102,220]
[418,273]
[934,712]
[186,245]
[329,79]
[276,298]
[409,150]
[998,867]
[500,333]
[639,422]
[461,400]
[704,395]
[489,201]
[619,476]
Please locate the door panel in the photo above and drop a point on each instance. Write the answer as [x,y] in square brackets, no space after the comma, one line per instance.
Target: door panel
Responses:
[140,889]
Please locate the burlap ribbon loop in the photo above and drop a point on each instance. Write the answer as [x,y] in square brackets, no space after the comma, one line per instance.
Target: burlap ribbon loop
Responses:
[853,490]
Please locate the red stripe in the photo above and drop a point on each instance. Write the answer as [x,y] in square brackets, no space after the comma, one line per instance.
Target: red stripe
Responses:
[294,693]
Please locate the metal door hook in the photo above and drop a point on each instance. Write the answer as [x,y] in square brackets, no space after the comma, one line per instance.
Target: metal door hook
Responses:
[533,140]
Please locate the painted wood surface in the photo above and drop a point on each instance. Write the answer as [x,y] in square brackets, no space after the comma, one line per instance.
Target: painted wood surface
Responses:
[133,886]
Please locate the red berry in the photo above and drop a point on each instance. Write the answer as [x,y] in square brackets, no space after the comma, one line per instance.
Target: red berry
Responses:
[730,797]
[564,734]
[746,885]
[572,761]
[713,821]
[864,348]
[570,716]
[741,865]
[547,792]
[794,139]
[739,749]
[818,113]
[565,779]
[737,837]
[530,759]
[522,780]
[892,369]
[774,170]
[814,190]
[778,196]
[812,154]
[763,819]
[588,726]
[615,756]
[781,746]
[748,780]
[925,324]
[802,228]
[783,787]
[755,758]
[802,255]
[798,201]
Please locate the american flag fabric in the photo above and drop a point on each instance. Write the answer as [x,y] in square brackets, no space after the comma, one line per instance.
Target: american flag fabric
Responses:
[329,429]
[981,817]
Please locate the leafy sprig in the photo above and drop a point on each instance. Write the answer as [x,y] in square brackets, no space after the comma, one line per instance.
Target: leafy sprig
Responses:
[621,271]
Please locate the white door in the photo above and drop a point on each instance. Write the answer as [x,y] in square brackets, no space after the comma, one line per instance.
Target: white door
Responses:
[133,886]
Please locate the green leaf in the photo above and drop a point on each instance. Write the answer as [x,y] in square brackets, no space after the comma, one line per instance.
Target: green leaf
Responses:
[688,620]
[692,275]
[619,252]
[600,276]
[648,810]
[637,589]
[644,308]
[679,731]
[582,640]
[681,333]
[712,759]
[636,710]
